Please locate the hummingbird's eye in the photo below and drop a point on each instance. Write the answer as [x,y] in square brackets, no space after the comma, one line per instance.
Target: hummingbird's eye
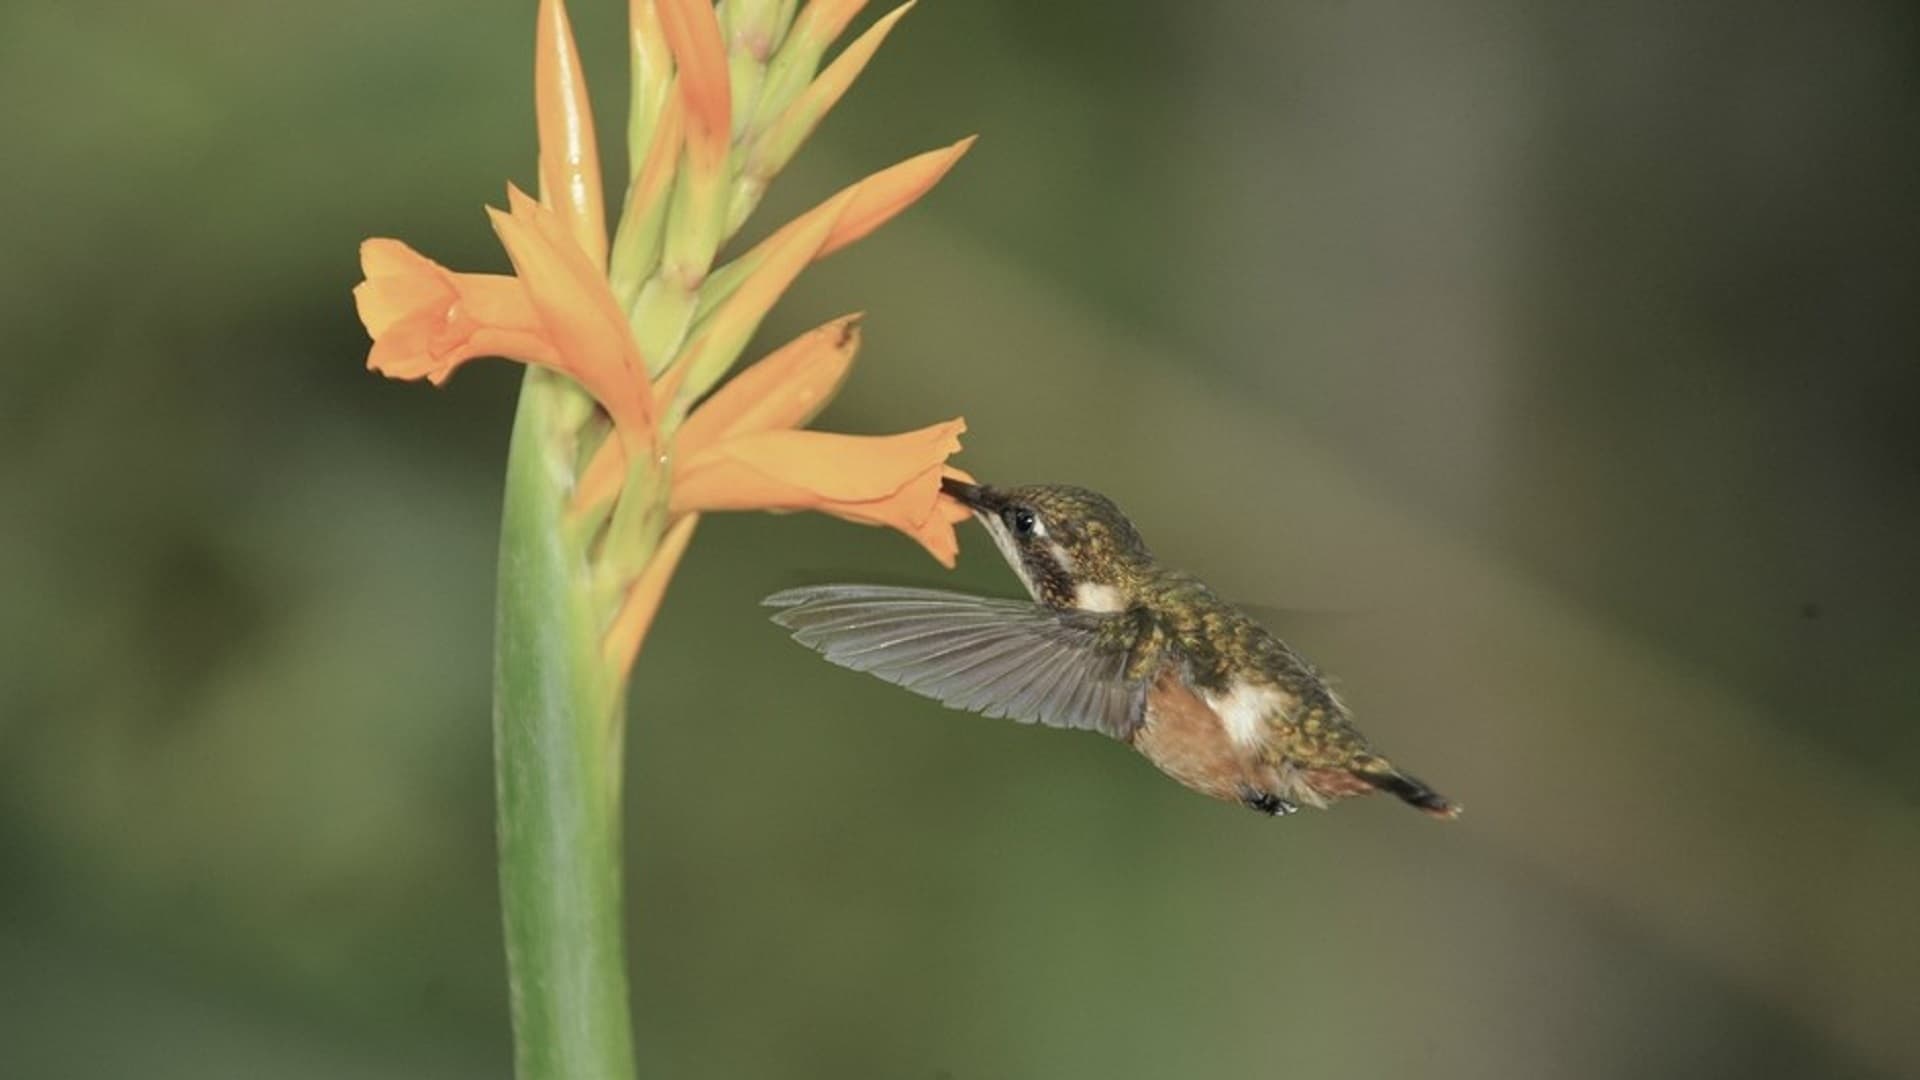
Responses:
[1023,521]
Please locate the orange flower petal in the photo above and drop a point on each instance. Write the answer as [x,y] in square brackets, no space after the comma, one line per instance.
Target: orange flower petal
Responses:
[784,390]
[693,33]
[426,320]
[879,197]
[907,510]
[569,155]
[630,625]
[578,312]
[872,203]
[891,480]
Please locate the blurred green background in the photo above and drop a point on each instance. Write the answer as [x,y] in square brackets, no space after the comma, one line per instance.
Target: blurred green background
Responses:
[1561,356]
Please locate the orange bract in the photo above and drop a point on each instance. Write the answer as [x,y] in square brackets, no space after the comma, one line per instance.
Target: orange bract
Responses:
[879,197]
[784,390]
[581,319]
[642,601]
[693,34]
[569,156]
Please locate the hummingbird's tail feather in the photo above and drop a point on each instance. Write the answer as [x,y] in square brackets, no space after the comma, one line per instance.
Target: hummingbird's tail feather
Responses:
[1409,790]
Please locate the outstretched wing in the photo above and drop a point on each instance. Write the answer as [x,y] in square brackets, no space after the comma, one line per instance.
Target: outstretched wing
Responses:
[995,657]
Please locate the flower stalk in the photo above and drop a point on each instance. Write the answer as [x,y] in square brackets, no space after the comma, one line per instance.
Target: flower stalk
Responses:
[556,737]
[629,428]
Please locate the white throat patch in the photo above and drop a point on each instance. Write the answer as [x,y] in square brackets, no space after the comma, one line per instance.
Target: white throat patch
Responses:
[1090,597]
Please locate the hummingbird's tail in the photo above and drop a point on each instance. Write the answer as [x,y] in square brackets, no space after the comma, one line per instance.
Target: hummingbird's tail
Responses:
[1382,775]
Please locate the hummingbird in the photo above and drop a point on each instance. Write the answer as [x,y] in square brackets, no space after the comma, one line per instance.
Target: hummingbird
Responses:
[1110,641]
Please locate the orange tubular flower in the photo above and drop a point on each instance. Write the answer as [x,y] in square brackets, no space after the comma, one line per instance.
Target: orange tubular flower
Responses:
[742,449]
[739,451]
[427,320]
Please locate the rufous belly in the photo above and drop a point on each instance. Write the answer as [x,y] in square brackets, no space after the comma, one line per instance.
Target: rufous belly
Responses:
[1182,736]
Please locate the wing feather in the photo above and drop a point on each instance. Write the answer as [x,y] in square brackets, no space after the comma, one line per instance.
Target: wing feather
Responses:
[1000,658]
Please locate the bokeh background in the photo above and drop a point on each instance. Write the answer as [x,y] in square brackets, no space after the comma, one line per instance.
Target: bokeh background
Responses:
[1555,363]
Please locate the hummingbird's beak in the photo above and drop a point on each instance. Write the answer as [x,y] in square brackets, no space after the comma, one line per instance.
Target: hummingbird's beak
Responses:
[976,497]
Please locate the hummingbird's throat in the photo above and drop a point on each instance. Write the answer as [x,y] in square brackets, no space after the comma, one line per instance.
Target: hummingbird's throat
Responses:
[1088,596]
[1054,582]
[1009,549]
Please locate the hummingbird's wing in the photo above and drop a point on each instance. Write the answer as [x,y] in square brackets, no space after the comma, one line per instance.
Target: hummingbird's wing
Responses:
[995,657]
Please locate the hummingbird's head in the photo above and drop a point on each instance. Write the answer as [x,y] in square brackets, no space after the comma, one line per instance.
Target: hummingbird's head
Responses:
[1072,548]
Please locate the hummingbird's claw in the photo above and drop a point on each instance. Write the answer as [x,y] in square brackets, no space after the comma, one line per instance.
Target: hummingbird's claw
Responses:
[1267,803]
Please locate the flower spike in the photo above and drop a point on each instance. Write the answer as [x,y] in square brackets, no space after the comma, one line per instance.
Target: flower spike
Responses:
[611,464]
[644,328]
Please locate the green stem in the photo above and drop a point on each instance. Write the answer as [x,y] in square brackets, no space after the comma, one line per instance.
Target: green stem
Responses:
[556,717]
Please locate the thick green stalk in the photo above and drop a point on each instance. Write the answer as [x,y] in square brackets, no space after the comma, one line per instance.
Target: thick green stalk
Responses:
[556,718]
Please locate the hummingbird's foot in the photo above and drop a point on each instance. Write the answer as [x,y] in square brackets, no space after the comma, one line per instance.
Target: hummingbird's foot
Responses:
[1267,802]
